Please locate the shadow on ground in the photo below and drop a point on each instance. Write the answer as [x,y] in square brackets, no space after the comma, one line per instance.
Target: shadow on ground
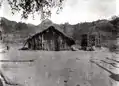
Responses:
[112,75]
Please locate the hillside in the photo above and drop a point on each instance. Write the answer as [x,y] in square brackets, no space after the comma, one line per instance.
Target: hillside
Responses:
[14,32]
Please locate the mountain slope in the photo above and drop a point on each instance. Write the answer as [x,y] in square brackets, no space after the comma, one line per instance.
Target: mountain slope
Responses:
[18,32]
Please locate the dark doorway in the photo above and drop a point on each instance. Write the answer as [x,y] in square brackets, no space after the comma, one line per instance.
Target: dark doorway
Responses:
[57,48]
[56,45]
[84,41]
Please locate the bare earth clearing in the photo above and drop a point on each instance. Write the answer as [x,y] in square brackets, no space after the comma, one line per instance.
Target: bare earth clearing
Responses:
[52,68]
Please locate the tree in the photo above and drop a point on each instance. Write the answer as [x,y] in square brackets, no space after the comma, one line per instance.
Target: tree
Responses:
[34,6]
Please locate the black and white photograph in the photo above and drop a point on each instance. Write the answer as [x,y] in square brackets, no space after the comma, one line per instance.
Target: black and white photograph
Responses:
[59,42]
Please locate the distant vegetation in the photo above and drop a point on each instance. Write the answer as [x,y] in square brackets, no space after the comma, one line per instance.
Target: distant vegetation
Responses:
[18,32]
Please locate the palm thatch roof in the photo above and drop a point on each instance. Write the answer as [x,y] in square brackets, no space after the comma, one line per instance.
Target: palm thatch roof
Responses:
[51,27]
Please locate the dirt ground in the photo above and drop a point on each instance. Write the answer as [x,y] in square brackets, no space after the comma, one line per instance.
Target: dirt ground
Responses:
[64,68]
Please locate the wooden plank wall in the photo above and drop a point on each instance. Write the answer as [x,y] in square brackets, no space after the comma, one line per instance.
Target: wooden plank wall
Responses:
[58,42]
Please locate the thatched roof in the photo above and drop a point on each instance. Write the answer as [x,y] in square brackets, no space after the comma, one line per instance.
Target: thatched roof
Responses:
[53,27]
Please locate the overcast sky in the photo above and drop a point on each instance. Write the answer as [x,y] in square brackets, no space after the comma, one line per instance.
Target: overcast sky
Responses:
[74,11]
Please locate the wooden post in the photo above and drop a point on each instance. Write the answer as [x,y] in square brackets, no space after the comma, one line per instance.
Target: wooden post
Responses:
[32,43]
[100,38]
[37,42]
[95,40]
[42,41]
[88,41]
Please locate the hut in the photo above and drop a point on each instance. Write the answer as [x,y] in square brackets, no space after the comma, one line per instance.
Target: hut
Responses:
[50,39]
[89,38]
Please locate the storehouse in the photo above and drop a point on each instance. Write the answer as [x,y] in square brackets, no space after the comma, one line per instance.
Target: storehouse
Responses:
[49,39]
[90,37]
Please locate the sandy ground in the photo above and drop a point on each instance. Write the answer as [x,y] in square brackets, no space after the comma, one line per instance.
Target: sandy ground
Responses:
[53,68]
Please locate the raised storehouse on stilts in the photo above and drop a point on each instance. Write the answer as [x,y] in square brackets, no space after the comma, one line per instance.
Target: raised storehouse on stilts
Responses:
[50,39]
[90,37]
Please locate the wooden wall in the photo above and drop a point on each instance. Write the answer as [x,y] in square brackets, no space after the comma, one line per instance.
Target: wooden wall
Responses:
[50,41]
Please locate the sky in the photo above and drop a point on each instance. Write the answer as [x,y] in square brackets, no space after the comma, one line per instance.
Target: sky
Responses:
[74,11]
